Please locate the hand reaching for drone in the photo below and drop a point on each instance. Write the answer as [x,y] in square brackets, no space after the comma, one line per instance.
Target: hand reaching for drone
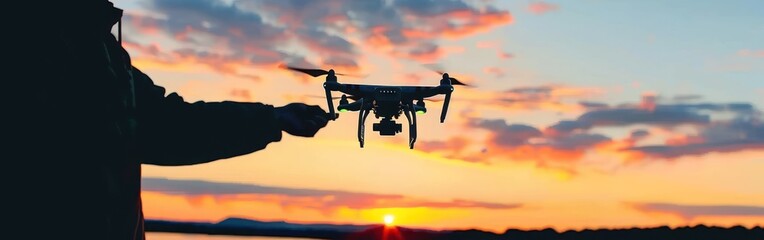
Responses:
[300,119]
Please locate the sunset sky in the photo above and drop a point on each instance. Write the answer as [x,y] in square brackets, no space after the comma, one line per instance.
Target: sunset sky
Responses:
[583,114]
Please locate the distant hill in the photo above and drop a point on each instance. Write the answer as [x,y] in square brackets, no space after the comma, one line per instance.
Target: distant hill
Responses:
[281,225]
[247,227]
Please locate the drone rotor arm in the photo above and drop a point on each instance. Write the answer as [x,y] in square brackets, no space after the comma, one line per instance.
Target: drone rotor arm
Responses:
[354,106]
[332,114]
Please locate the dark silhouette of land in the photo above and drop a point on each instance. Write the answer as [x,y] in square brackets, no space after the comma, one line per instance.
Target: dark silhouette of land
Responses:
[246,227]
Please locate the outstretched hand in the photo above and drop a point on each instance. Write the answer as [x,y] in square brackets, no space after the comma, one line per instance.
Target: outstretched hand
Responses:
[300,119]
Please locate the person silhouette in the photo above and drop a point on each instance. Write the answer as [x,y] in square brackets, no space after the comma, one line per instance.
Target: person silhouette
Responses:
[84,119]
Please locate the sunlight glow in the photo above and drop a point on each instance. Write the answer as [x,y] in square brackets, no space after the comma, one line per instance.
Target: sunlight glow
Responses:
[388,219]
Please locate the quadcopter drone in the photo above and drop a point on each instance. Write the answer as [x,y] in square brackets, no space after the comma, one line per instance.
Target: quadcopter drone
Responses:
[386,102]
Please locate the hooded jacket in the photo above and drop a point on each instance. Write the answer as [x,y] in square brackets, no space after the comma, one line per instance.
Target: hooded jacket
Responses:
[84,120]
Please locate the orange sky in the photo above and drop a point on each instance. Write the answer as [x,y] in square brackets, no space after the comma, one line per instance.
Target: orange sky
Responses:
[563,129]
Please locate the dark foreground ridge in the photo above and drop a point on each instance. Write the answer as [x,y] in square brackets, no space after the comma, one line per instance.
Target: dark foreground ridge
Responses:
[246,227]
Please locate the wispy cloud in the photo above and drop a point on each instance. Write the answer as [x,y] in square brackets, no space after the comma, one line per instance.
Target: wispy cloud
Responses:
[750,53]
[539,7]
[728,136]
[323,200]
[495,71]
[692,211]
[558,98]
[242,94]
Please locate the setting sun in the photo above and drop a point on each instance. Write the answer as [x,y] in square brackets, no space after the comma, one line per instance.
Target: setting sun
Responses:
[388,219]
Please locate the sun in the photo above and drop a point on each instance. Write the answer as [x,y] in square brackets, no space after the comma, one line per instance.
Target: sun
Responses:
[388,219]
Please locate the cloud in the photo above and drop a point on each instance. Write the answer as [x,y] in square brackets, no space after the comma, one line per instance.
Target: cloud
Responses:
[495,71]
[508,135]
[686,129]
[541,7]
[546,97]
[337,62]
[726,136]
[505,55]
[427,52]
[517,142]
[744,131]
[449,18]
[651,114]
[242,94]
[323,200]
[687,97]
[242,34]
[639,134]
[692,211]
[750,53]
[487,44]
[593,105]
[523,142]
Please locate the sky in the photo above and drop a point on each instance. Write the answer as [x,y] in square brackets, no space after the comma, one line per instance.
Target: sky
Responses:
[581,114]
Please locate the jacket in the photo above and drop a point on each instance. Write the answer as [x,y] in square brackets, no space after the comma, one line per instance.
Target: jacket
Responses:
[84,120]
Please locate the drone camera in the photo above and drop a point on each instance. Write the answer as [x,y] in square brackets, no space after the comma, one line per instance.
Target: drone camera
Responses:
[387,127]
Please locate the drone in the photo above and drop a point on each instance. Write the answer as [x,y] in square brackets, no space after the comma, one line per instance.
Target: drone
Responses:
[386,102]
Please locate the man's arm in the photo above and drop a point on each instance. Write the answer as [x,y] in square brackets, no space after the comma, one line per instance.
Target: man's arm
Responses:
[171,131]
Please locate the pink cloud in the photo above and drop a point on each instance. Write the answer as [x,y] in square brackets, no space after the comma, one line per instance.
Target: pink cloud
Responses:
[689,212]
[322,200]
[487,44]
[238,31]
[541,7]
[495,71]
[242,94]
[505,55]
[750,53]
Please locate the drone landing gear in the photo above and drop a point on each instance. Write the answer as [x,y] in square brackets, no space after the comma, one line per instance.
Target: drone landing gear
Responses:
[362,114]
[411,117]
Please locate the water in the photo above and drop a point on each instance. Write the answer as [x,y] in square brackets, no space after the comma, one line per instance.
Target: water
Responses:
[184,236]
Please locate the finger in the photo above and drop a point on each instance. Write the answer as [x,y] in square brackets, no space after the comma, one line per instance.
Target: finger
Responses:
[321,121]
[332,117]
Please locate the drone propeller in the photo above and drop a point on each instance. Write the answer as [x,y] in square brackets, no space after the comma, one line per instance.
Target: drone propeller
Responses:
[454,81]
[335,98]
[433,100]
[355,98]
[313,72]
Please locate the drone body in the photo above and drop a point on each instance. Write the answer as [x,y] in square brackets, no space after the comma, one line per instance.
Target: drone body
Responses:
[387,103]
